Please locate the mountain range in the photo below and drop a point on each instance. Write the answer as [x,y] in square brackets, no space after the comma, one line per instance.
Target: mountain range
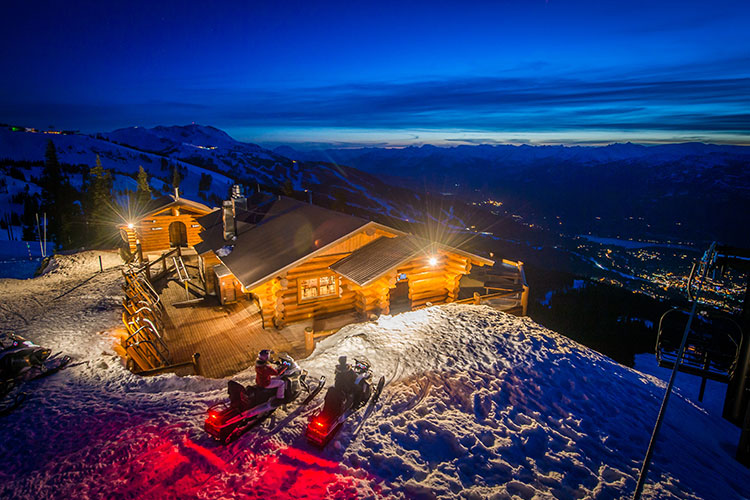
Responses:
[677,192]
[683,192]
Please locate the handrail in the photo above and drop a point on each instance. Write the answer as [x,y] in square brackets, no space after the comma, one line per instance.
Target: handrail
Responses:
[160,357]
[497,295]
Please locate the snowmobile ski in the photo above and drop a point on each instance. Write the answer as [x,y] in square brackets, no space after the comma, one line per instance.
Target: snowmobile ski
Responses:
[10,407]
[371,405]
[54,364]
[300,407]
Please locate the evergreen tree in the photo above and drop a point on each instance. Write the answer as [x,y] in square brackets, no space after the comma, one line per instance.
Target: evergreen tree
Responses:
[205,183]
[287,189]
[51,183]
[143,193]
[176,179]
[100,211]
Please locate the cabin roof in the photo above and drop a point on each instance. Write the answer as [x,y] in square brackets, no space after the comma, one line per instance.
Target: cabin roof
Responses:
[373,260]
[368,263]
[273,236]
[163,202]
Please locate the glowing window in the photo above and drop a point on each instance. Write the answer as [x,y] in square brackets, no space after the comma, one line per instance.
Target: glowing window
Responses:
[318,287]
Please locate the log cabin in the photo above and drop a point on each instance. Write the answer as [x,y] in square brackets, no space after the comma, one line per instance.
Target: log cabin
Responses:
[299,261]
[168,222]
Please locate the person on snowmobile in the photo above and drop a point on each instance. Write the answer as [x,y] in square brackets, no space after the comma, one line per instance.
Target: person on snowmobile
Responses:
[265,374]
[345,380]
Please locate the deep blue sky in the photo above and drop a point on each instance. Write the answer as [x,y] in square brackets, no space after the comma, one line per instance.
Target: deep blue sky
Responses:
[385,73]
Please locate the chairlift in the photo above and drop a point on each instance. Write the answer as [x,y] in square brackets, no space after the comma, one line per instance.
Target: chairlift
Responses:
[712,348]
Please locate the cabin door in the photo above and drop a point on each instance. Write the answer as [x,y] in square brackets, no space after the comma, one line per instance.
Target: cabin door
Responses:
[177,234]
[399,297]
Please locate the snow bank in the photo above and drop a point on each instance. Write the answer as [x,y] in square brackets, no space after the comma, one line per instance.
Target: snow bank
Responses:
[479,405]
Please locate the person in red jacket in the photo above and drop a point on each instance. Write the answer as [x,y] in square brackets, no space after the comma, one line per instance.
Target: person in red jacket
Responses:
[266,373]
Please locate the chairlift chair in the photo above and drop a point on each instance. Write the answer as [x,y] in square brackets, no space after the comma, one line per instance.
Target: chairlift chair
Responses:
[712,348]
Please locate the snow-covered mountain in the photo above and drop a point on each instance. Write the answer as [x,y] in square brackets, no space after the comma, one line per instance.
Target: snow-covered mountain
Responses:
[199,150]
[689,191]
[479,404]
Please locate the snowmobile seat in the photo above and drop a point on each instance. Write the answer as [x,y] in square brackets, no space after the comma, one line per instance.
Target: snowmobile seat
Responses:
[238,398]
[335,401]
[258,395]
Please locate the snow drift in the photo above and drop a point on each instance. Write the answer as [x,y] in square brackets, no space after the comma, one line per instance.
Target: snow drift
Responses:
[479,404]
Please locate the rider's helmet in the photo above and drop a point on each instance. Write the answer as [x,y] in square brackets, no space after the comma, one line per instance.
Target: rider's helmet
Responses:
[263,355]
[343,365]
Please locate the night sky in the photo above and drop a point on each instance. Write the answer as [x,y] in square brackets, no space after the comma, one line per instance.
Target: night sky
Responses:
[556,71]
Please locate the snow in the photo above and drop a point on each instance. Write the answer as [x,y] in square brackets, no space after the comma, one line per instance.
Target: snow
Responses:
[479,404]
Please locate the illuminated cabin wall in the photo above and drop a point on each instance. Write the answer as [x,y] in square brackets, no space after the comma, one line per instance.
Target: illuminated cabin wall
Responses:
[281,302]
[153,229]
[280,298]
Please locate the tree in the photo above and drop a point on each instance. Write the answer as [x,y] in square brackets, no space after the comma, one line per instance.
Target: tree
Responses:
[100,210]
[287,189]
[176,179]
[143,192]
[51,183]
[205,183]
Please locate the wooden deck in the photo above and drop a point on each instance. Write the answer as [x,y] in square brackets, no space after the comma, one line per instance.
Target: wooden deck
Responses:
[227,338]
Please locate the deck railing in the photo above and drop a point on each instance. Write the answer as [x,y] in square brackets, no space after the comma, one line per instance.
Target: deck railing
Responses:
[517,289]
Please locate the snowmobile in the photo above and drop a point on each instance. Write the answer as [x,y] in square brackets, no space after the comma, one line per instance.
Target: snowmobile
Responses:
[20,361]
[250,405]
[340,404]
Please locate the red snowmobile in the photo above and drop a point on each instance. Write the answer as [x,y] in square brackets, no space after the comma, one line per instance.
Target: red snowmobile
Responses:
[249,405]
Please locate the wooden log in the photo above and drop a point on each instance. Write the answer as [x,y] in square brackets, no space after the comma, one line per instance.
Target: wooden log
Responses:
[434,300]
[319,308]
[309,340]
[431,293]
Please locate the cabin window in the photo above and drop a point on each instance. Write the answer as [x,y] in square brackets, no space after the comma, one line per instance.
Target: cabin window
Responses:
[318,287]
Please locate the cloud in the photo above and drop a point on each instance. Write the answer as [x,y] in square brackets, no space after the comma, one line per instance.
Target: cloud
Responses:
[677,99]
[510,104]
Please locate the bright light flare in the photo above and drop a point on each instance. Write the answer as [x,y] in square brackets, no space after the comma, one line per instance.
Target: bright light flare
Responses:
[131,225]
[433,261]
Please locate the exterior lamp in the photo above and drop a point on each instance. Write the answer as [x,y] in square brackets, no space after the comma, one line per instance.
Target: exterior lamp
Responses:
[131,225]
[433,261]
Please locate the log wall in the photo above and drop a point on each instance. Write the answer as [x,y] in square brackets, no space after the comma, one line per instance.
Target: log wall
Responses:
[207,262]
[153,229]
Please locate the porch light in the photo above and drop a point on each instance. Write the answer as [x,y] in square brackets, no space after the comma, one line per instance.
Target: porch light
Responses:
[131,225]
[433,261]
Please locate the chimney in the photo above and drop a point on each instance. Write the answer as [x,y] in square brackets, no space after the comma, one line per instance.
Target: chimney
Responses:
[228,219]
[238,199]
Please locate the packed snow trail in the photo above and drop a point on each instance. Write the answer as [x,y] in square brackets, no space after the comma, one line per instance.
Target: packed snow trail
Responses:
[486,405]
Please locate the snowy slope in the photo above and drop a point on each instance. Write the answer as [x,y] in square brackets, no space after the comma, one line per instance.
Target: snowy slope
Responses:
[199,149]
[479,405]
[122,159]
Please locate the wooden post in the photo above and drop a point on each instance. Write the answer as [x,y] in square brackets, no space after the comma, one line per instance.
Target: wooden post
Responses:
[477,299]
[196,364]
[524,300]
[101,268]
[309,340]
[148,271]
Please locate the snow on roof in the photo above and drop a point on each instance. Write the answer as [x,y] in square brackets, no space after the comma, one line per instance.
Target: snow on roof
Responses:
[479,404]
